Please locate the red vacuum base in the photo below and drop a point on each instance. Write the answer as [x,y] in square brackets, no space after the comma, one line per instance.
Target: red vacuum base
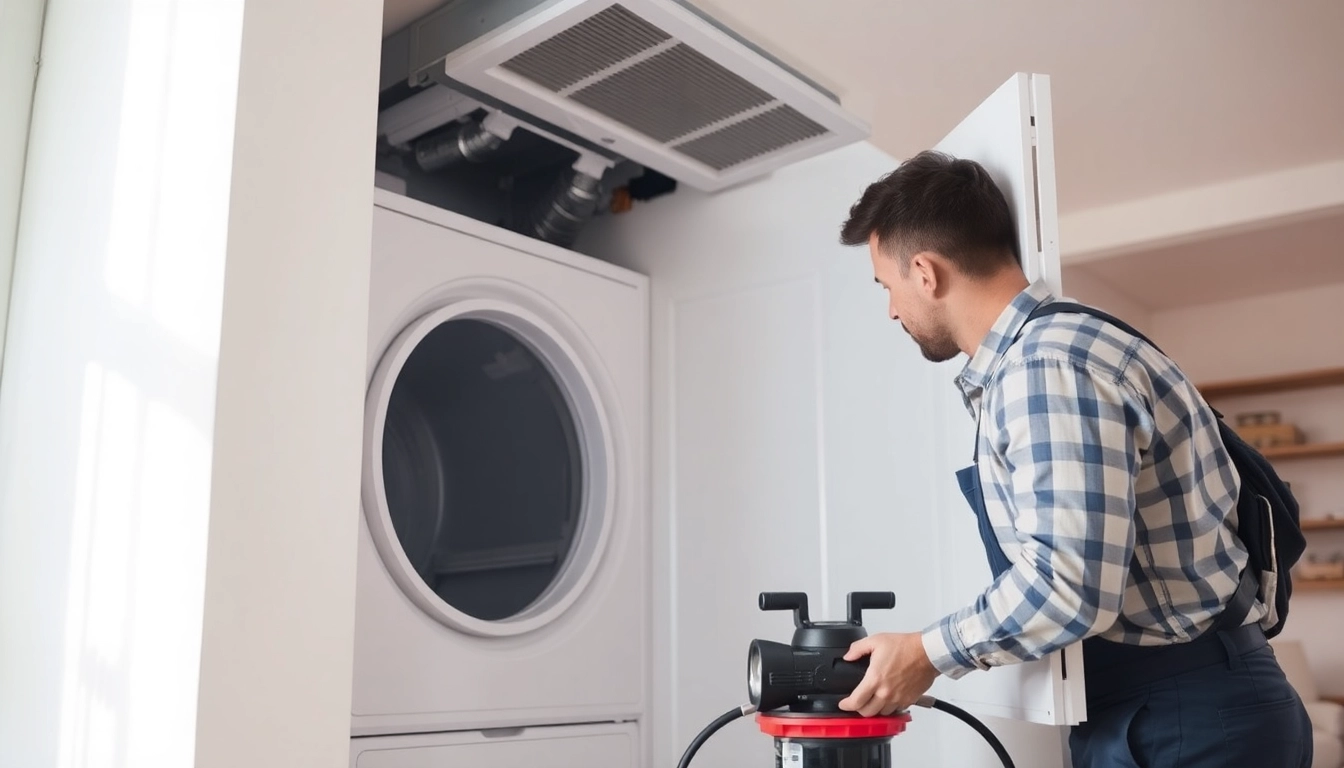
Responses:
[858,727]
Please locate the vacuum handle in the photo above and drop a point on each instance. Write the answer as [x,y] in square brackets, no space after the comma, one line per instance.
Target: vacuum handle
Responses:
[788,601]
[858,601]
[841,677]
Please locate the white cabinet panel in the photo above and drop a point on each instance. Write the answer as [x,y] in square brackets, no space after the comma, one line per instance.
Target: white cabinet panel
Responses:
[746,511]
[613,745]
[1010,134]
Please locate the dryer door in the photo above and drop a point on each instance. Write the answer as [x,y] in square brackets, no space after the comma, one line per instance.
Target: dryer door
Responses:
[488,478]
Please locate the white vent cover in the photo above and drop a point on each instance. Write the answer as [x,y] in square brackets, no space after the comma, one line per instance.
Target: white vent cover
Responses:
[658,84]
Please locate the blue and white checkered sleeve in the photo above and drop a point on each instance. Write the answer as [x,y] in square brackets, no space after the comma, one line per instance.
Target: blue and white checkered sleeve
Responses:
[1070,439]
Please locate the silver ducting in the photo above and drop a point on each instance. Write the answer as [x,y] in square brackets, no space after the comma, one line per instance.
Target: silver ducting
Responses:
[467,142]
[563,213]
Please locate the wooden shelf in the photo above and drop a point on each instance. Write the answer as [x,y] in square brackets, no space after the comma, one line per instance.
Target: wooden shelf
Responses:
[1304,451]
[1324,377]
[1322,524]
[1336,699]
[1318,585]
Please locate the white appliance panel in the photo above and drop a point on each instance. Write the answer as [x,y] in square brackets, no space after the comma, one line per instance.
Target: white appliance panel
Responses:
[587,662]
[584,746]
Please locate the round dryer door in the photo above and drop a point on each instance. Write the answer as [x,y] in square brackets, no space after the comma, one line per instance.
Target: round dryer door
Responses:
[488,486]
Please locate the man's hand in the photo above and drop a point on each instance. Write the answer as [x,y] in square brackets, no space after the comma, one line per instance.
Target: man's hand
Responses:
[899,672]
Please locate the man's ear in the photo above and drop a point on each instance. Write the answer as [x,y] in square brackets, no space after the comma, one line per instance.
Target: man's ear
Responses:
[927,269]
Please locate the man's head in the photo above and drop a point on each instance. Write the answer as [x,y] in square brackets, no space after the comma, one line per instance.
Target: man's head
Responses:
[935,227]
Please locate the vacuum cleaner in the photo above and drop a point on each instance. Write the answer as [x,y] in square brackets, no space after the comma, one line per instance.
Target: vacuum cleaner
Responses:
[795,691]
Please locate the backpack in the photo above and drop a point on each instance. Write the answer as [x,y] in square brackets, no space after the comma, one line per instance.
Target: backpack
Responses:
[1267,514]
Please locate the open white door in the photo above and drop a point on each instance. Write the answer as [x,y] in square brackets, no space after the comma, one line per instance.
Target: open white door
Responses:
[1010,135]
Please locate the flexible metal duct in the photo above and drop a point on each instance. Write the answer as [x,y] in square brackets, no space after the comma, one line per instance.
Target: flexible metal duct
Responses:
[469,142]
[567,208]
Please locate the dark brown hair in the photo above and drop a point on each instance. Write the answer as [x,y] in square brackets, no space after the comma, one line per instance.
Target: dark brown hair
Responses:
[935,202]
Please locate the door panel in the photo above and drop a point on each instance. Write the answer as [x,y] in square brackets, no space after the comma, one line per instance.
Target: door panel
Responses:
[1010,135]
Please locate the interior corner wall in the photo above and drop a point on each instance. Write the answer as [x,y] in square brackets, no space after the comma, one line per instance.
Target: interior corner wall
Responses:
[1276,334]
[20,42]
[1082,285]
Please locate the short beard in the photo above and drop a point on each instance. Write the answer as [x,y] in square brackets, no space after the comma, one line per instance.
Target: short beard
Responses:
[939,349]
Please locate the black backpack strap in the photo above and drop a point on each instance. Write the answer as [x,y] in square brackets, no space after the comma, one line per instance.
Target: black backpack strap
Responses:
[1240,604]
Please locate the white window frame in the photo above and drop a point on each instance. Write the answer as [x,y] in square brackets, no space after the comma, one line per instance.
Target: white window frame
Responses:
[20,43]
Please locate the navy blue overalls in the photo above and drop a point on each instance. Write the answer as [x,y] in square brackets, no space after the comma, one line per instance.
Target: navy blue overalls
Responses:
[1220,700]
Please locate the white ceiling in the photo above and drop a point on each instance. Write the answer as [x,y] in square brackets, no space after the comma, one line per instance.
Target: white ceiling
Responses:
[1280,258]
[1149,96]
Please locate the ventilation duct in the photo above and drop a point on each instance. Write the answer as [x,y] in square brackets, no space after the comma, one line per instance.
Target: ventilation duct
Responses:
[470,142]
[564,212]
[655,81]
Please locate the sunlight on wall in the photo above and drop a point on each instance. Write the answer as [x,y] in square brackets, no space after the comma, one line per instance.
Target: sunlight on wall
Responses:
[172,113]
[136,546]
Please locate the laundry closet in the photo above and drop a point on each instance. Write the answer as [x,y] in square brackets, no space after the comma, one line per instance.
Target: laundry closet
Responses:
[622,379]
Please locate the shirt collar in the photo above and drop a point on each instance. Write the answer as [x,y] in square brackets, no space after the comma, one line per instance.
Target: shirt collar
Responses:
[977,370]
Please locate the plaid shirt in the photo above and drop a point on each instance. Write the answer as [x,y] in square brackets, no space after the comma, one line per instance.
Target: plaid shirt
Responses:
[1107,487]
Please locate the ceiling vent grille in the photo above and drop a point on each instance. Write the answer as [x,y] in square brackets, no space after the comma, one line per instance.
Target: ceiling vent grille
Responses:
[592,45]
[659,83]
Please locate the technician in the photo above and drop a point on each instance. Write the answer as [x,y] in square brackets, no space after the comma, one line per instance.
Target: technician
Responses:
[1103,492]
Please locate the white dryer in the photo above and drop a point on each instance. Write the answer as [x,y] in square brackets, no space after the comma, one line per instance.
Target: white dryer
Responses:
[501,574]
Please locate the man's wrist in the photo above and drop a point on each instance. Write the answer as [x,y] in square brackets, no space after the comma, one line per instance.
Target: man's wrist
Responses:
[945,651]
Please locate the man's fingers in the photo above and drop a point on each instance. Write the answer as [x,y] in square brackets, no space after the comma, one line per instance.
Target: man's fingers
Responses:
[881,699]
[860,696]
[859,649]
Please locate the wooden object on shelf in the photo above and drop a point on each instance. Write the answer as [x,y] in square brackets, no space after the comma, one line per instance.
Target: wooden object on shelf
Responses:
[1322,523]
[1315,569]
[1303,451]
[1269,436]
[1291,444]
[1317,585]
[1323,377]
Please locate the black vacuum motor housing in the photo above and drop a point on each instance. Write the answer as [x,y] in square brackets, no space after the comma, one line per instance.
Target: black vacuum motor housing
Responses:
[810,675]
[797,689]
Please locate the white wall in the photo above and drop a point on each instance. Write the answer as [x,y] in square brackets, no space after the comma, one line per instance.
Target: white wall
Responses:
[180,410]
[792,429]
[20,39]
[1266,335]
[1083,285]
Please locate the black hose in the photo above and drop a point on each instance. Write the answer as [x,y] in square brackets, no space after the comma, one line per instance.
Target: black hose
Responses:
[719,722]
[979,727]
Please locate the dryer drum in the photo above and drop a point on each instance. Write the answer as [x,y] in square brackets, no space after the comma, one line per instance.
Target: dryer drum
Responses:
[483,469]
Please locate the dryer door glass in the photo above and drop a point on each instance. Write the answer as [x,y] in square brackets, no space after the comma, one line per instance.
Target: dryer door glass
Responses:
[483,468]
